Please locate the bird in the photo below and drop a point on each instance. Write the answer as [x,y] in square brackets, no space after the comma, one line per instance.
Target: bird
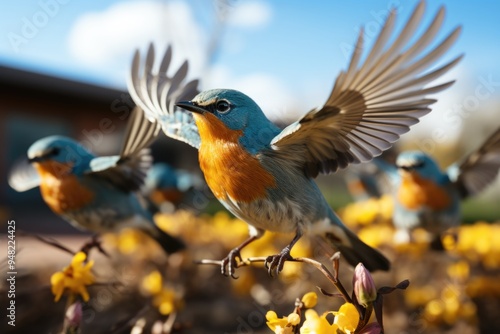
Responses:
[168,189]
[96,194]
[365,181]
[427,197]
[264,175]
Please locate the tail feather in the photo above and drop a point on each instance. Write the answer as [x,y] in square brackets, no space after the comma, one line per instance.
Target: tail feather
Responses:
[357,251]
[169,243]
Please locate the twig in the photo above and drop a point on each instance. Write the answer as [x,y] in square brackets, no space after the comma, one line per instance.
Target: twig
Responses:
[48,241]
[316,264]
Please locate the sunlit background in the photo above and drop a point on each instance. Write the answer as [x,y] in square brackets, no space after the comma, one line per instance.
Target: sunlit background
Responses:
[64,66]
[285,55]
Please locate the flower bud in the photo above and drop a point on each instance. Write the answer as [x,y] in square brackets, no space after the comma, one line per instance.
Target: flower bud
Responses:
[74,315]
[364,286]
[310,299]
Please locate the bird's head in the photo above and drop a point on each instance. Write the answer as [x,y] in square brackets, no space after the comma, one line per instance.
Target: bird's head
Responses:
[59,155]
[416,163]
[232,115]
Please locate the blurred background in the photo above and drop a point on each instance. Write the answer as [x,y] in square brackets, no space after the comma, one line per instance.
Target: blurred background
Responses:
[64,65]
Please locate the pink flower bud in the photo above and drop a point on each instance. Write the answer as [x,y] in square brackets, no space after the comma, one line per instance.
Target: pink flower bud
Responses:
[74,314]
[364,286]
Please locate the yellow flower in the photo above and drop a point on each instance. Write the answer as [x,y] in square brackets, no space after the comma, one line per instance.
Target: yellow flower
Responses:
[282,325]
[459,271]
[310,299]
[314,324]
[347,318]
[376,235]
[420,296]
[167,301]
[152,283]
[74,277]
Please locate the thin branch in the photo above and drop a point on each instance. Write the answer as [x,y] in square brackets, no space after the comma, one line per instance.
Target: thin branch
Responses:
[48,241]
[316,264]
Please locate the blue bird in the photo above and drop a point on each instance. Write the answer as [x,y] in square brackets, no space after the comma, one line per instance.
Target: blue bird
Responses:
[96,194]
[427,197]
[264,175]
[167,188]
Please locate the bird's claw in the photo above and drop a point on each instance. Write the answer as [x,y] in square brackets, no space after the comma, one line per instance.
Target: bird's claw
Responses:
[230,263]
[277,262]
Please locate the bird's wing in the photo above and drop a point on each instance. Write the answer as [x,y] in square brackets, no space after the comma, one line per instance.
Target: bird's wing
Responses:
[479,169]
[157,92]
[23,176]
[128,170]
[370,105]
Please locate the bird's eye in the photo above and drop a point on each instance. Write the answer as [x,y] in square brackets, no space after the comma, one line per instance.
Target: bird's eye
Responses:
[419,164]
[54,151]
[223,106]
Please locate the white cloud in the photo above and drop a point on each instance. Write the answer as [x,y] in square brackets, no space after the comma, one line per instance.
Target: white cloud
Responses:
[107,39]
[250,14]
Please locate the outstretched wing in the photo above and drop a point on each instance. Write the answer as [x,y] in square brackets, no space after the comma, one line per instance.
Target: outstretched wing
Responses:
[128,170]
[23,176]
[370,105]
[156,93]
[479,169]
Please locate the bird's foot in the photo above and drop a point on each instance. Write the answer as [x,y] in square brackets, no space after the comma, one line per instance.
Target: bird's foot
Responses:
[275,263]
[230,263]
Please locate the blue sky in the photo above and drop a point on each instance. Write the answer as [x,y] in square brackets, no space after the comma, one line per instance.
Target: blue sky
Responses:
[285,54]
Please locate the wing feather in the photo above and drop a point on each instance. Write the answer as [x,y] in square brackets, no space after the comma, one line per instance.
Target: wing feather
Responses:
[128,170]
[373,103]
[479,169]
[157,92]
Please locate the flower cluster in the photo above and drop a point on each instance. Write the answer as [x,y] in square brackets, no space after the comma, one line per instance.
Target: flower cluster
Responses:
[478,243]
[352,317]
[346,318]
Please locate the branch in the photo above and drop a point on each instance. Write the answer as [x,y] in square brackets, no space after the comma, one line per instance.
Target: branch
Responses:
[318,265]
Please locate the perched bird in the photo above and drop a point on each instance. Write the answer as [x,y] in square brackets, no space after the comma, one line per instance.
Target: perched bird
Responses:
[364,182]
[264,175]
[96,194]
[167,188]
[424,196]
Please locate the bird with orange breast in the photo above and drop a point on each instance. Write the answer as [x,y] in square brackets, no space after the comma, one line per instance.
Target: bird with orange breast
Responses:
[264,175]
[427,197]
[96,194]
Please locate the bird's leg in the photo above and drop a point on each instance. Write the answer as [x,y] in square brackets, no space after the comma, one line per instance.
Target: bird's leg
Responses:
[230,261]
[278,261]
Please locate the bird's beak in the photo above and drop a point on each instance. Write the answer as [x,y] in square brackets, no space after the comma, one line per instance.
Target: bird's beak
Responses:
[190,106]
[35,159]
[405,168]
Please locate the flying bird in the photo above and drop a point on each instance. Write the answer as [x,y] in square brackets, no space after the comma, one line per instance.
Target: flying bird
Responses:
[264,175]
[96,194]
[427,197]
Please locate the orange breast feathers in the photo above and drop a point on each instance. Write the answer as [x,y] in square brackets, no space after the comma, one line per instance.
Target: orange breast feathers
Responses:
[228,168]
[61,190]
[415,192]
